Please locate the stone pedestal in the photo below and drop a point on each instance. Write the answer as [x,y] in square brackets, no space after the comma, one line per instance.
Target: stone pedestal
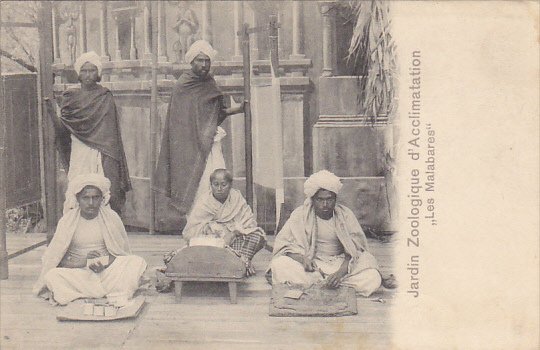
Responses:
[354,145]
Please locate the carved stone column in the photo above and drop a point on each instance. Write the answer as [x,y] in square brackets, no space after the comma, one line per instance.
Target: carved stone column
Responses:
[254,44]
[238,23]
[103,32]
[162,32]
[132,46]
[82,27]
[328,12]
[206,19]
[297,31]
[117,53]
[56,46]
[147,30]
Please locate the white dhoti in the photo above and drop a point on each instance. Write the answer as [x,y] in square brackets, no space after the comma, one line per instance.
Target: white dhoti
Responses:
[365,280]
[68,284]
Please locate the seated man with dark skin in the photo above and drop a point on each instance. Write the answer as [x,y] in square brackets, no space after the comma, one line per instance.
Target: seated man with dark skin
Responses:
[323,242]
[89,229]
[223,213]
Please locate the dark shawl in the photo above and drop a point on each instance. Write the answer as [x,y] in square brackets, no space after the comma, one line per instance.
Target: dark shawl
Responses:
[195,111]
[91,116]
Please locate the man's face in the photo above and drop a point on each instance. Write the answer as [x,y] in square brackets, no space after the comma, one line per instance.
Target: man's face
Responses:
[220,187]
[89,199]
[324,202]
[201,65]
[88,74]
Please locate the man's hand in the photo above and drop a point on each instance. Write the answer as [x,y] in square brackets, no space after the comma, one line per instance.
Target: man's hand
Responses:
[334,280]
[309,264]
[97,267]
[229,236]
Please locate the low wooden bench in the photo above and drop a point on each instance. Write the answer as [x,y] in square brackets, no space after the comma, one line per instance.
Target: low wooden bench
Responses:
[206,264]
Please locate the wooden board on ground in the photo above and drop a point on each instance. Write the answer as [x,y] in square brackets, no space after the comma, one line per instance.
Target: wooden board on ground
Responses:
[315,301]
[75,312]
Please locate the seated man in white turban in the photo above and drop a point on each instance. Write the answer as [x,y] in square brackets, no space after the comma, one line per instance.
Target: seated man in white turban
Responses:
[223,215]
[323,242]
[89,255]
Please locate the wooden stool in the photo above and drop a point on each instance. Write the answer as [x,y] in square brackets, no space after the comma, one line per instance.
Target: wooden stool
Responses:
[206,264]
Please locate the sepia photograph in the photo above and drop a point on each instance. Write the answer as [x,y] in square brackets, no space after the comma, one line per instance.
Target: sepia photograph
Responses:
[264,174]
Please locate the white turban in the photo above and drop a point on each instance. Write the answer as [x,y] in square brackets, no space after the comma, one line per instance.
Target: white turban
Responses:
[200,46]
[322,179]
[91,57]
[81,181]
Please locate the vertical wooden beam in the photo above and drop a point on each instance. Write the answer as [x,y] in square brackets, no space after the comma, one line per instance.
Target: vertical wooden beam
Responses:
[4,272]
[273,35]
[247,115]
[153,112]
[46,86]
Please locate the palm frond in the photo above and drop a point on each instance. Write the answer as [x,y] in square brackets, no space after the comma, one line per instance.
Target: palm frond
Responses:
[372,54]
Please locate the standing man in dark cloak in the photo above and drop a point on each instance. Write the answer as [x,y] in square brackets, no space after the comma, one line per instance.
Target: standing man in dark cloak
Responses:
[88,133]
[195,111]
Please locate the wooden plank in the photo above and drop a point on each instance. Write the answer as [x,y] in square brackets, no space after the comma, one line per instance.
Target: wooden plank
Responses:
[74,312]
[208,321]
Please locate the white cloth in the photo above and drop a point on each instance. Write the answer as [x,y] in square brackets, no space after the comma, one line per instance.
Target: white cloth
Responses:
[215,160]
[288,270]
[91,57]
[87,237]
[114,233]
[322,179]
[200,46]
[327,240]
[122,276]
[80,181]
[83,159]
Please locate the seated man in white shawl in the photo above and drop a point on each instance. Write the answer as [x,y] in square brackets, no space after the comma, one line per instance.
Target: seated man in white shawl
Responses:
[89,255]
[323,242]
[223,214]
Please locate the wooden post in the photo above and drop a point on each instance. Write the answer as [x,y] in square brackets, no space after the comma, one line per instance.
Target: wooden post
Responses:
[247,114]
[4,273]
[153,112]
[274,44]
[46,85]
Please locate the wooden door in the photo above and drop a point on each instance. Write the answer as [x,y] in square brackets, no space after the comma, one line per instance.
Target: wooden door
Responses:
[20,115]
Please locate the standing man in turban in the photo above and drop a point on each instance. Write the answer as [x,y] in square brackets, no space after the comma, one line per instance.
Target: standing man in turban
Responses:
[323,241]
[191,130]
[88,132]
[89,255]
